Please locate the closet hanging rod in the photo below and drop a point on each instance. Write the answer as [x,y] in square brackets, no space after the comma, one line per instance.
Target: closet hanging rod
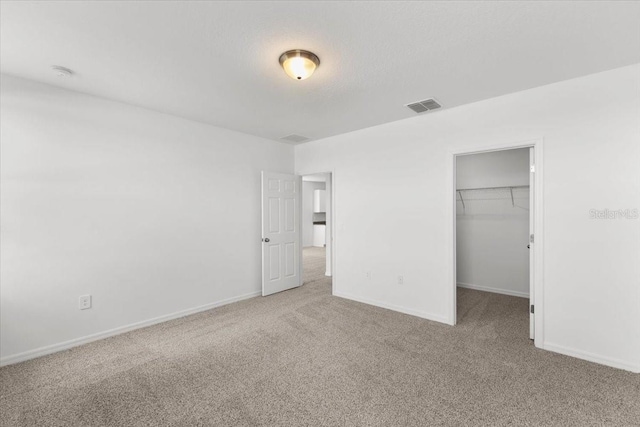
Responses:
[506,187]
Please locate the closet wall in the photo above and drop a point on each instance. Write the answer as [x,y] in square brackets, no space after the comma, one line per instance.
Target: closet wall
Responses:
[492,231]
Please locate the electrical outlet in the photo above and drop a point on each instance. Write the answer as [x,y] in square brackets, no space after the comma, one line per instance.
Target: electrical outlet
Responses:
[400,280]
[368,275]
[84,302]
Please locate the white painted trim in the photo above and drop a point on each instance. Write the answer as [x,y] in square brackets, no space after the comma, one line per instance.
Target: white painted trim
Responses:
[538,245]
[333,234]
[451,243]
[591,357]
[538,297]
[412,312]
[54,348]
[494,290]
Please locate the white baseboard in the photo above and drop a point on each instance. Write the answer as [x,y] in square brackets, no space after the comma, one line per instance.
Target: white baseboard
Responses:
[412,312]
[494,290]
[54,348]
[591,357]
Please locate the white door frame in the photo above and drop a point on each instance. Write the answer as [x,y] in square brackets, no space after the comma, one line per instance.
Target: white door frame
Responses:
[332,234]
[537,246]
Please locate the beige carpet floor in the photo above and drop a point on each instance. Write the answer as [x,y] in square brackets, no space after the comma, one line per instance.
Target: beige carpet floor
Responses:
[306,358]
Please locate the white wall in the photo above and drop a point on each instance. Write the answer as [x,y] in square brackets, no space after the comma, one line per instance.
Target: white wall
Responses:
[149,213]
[492,232]
[493,169]
[308,187]
[591,132]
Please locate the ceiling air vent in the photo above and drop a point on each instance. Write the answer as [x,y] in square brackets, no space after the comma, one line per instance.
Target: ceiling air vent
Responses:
[426,105]
[296,139]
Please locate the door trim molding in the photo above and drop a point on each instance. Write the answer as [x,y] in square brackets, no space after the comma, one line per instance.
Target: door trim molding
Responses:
[538,247]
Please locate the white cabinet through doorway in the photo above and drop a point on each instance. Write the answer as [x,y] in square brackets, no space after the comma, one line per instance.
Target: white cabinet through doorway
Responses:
[319,235]
[319,201]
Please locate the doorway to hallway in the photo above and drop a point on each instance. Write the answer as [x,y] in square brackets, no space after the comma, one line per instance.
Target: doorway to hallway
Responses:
[316,229]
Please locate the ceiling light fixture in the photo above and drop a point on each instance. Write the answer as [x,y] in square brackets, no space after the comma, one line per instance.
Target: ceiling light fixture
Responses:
[299,64]
[61,71]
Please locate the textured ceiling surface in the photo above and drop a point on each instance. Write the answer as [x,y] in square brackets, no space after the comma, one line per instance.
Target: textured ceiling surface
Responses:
[218,62]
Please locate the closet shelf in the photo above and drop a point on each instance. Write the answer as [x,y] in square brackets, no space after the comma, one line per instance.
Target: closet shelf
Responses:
[509,187]
[493,188]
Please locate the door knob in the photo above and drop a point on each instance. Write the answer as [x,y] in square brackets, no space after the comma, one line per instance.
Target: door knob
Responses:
[528,246]
[266,240]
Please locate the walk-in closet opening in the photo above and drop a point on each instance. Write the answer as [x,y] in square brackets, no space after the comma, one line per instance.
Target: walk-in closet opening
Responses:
[494,236]
[316,229]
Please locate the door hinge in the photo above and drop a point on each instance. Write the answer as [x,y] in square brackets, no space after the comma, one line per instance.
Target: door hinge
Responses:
[532,310]
[532,168]
[531,238]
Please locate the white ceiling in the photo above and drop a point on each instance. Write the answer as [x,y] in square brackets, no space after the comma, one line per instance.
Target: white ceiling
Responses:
[218,62]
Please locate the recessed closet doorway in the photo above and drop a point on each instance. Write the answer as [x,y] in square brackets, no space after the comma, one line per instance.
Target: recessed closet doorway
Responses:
[494,233]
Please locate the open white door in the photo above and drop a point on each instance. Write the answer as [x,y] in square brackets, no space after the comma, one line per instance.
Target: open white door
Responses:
[532,192]
[281,236]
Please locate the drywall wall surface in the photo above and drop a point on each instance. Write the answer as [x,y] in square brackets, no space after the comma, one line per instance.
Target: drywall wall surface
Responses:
[591,132]
[150,214]
[308,187]
[493,169]
[492,231]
